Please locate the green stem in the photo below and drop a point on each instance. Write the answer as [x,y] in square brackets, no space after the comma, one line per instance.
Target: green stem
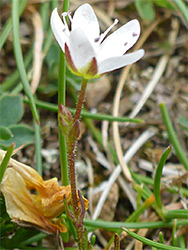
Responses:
[158,176]
[172,136]
[114,226]
[61,100]
[182,7]
[86,114]
[5,161]
[19,57]
[152,243]
[38,148]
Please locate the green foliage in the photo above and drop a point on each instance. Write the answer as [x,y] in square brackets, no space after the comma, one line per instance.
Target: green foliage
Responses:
[5,161]
[5,133]
[146,8]
[152,243]
[11,113]
[158,176]
[22,134]
[11,110]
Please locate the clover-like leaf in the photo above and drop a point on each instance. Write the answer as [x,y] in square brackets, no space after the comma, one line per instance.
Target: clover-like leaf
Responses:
[11,110]
[5,133]
[22,134]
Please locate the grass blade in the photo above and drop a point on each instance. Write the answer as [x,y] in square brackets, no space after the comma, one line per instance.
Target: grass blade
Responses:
[8,25]
[5,161]
[158,175]
[150,242]
[172,136]
[86,114]
[19,58]
[114,226]
[182,7]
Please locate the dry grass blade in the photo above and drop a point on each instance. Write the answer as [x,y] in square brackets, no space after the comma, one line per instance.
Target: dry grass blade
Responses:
[115,174]
[38,56]
[123,78]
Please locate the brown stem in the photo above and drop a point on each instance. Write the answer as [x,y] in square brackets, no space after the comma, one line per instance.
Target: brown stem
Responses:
[80,100]
[71,153]
[71,144]
[72,177]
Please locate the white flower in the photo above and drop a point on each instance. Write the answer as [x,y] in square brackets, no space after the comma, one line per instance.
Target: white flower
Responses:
[88,53]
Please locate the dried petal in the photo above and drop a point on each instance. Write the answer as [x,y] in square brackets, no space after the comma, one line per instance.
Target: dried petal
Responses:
[32,201]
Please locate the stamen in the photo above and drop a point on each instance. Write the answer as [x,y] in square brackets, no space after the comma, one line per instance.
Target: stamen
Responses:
[64,15]
[102,36]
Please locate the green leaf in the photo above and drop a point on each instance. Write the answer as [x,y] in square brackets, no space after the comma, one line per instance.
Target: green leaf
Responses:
[164,4]
[5,161]
[178,213]
[145,9]
[22,134]
[11,110]
[5,133]
[19,58]
[151,243]
[181,155]
[158,176]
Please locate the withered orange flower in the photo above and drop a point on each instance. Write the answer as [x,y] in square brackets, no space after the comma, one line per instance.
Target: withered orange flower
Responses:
[31,201]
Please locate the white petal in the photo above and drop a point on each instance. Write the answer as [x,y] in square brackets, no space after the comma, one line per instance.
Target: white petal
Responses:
[80,48]
[120,41]
[119,62]
[59,29]
[85,19]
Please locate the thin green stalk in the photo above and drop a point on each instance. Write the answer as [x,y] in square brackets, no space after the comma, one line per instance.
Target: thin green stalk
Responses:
[158,175]
[5,161]
[161,237]
[19,57]
[38,148]
[114,226]
[8,25]
[177,214]
[152,243]
[172,136]
[85,114]
[174,236]
[62,100]
[182,7]
[17,89]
